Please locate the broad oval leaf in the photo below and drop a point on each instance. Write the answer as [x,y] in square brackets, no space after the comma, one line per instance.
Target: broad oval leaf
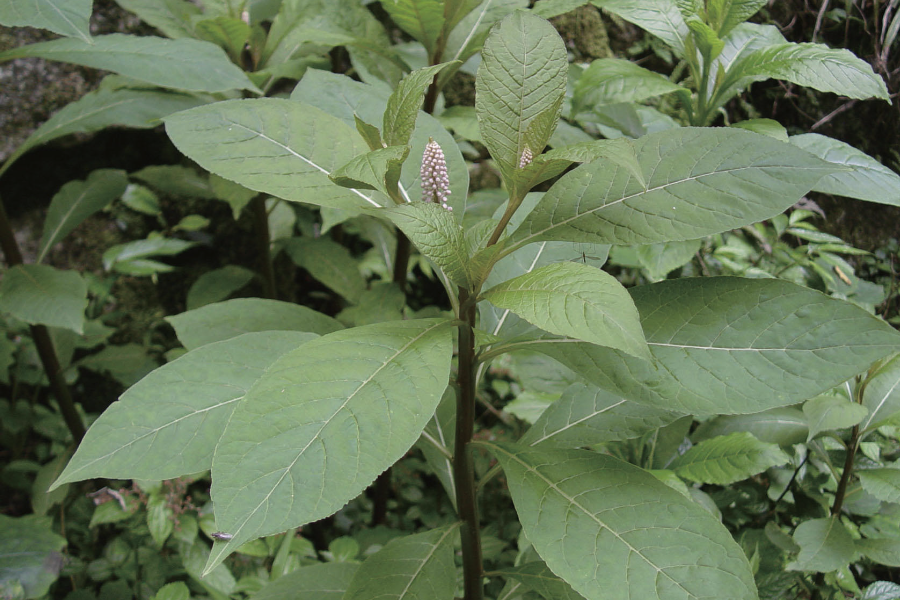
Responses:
[725,15]
[330,263]
[521,81]
[614,532]
[699,181]
[422,19]
[662,18]
[42,295]
[271,145]
[884,551]
[884,484]
[726,345]
[726,459]
[830,412]
[414,567]
[173,18]
[319,581]
[183,64]
[323,422]
[782,426]
[882,395]
[168,423]
[613,80]
[577,300]
[217,285]
[825,545]
[65,17]
[225,320]
[867,179]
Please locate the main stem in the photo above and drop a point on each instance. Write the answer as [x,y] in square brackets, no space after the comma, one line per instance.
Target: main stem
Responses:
[852,447]
[263,240]
[463,470]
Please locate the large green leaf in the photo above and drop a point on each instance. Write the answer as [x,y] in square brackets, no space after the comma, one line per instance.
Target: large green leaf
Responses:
[323,422]
[882,395]
[612,80]
[181,64]
[467,36]
[319,581]
[274,146]
[576,300]
[613,531]
[725,15]
[662,18]
[830,412]
[65,17]
[812,65]
[76,201]
[414,567]
[30,554]
[520,84]
[330,263]
[883,551]
[782,426]
[437,442]
[884,484]
[225,320]
[172,17]
[422,19]
[42,295]
[825,545]
[699,181]
[95,110]
[726,459]
[537,577]
[725,345]
[168,424]
[866,179]
[586,415]
[404,104]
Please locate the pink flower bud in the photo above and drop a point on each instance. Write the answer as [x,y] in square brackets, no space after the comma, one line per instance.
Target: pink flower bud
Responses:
[435,182]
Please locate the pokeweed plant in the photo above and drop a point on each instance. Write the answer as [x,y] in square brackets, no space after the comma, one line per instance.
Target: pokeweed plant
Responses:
[295,422]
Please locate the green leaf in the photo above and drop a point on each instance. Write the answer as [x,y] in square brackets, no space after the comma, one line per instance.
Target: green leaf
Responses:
[330,263]
[177,181]
[830,412]
[351,403]
[775,341]
[467,37]
[825,545]
[576,300]
[613,80]
[173,591]
[30,553]
[772,129]
[866,179]
[217,285]
[884,551]
[537,577]
[168,424]
[882,395]
[404,104]
[76,201]
[274,146]
[782,426]
[422,19]
[374,170]
[140,109]
[586,415]
[522,77]
[728,459]
[553,8]
[65,17]
[42,295]
[706,40]
[225,320]
[661,259]
[441,429]
[662,18]
[414,567]
[160,520]
[181,64]
[725,15]
[811,65]
[121,254]
[229,33]
[881,590]
[172,17]
[613,531]
[320,581]
[884,484]
[691,174]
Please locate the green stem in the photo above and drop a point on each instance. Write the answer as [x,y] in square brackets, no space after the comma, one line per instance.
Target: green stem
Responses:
[42,340]
[261,230]
[852,447]
[463,469]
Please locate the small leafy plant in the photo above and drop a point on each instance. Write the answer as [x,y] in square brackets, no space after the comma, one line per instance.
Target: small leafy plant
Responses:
[295,413]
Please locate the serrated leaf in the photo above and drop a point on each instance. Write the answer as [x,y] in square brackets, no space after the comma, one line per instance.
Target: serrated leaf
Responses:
[404,104]
[725,15]
[351,403]
[42,295]
[831,412]
[691,175]
[229,33]
[866,179]
[586,415]
[881,590]
[576,300]
[65,17]
[140,109]
[884,484]
[774,339]
[373,170]
[330,263]
[217,285]
[225,320]
[320,581]
[414,567]
[613,531]
[882,395]
[171,17]
[522,76]
[706,39]
[613,80]
[274,146]
[782,426]
[825,545]
[811,65]
[76,201]
[662,18]
[183,64]
[422,19]
[884,551]
[168,424]
[537,577]
[726,459]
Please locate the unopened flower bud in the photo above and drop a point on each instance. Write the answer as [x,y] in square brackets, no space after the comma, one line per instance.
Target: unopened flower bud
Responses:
[435,182]
[526,157]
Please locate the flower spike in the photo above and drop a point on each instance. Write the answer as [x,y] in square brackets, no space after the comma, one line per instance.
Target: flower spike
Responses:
[435,182]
